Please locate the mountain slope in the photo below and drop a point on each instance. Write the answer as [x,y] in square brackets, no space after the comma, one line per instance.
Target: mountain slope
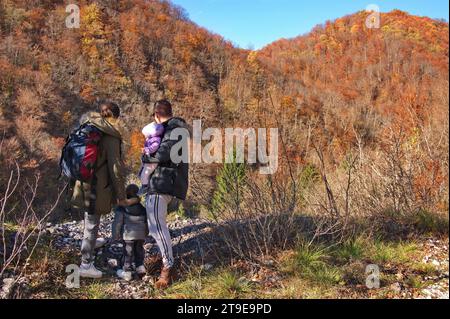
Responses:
[348,84]
[404,57]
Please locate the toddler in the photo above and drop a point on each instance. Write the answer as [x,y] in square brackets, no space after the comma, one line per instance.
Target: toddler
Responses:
[130,226]
[153,135]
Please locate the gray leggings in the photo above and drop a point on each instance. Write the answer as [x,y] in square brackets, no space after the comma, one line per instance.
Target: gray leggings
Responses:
[91,226]
[156,216]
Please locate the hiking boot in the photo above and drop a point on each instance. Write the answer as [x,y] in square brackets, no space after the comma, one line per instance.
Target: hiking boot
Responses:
[89,271]
[125,275]
[166,278]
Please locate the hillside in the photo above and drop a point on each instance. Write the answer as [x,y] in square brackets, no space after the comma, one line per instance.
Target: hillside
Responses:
[136,52]
[132,53]
[362,114]
[348,76]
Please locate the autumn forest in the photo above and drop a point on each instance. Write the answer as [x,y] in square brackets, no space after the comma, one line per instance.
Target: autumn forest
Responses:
[362,114]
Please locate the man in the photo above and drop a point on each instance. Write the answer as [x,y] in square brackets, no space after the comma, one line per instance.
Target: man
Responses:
[109,184]
[168,181]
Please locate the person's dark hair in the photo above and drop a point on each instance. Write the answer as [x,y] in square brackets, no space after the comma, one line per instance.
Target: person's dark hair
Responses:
[109,109]
[132,191]
[163,108]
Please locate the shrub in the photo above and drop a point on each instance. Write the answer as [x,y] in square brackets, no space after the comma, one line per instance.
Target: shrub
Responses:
[229,195]
[29,103]
[30,130]
[431,222]
[21,222]
[309,176]
[13,17]
[265,220]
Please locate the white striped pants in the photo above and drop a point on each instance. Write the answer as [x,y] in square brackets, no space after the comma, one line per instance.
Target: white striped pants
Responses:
[156,206]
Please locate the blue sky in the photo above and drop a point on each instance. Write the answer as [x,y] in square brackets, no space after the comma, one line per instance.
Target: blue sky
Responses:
[256,23]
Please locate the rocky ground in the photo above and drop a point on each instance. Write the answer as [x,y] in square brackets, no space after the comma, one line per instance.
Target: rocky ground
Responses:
[192,241]
[438,256]
[189,237]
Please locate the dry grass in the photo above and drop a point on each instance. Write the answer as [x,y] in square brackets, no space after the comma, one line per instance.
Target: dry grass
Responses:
[307,272]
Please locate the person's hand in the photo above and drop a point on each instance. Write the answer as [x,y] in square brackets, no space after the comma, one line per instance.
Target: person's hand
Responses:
[123,203]
[127,202]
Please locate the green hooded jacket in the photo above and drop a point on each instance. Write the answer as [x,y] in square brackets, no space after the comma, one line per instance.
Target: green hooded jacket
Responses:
[109,169]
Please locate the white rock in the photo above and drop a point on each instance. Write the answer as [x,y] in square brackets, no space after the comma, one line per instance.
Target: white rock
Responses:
[436,263]
[8,282]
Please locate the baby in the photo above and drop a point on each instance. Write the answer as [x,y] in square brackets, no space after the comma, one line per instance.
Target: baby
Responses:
[153,135]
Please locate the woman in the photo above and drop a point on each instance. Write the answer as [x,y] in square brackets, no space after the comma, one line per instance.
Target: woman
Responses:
[108,187]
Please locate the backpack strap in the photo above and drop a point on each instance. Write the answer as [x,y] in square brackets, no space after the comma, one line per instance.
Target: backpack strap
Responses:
[93,193]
